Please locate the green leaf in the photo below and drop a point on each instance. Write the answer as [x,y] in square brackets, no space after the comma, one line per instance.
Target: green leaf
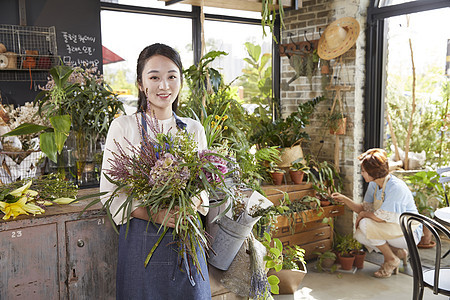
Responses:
[275,251]
[278,244]
[61,123]
[278,267]
[25,128]
[48,145]
[270,264]
[273,280]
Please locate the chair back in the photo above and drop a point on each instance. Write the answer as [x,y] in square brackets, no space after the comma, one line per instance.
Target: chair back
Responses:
[444,179]
[407,220]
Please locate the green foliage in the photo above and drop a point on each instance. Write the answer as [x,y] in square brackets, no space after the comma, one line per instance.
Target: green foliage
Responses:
[284,133]
[344,243]
[324,176]
[427,191]
[292,256]
[298,165]
[322,256]
[431,120]
[273,259]
[269,15]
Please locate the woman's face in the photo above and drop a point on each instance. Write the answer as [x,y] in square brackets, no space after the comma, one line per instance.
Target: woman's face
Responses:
[366,175]
[161,82]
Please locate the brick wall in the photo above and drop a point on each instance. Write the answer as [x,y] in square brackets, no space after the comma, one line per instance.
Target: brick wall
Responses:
[311,20]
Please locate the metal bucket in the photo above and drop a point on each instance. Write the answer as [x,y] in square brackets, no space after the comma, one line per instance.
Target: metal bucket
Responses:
[227,242]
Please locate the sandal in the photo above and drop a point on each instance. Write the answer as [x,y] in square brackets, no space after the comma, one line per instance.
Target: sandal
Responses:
[387,269]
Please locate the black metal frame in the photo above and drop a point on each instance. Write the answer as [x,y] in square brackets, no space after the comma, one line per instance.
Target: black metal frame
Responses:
[375,62]
[406,222]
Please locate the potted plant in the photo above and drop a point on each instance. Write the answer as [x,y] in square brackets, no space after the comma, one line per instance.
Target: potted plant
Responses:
[326,261]
[288,265]
[276,173]
[337,123]
[297,170]
[359,253]
[286,134]
[344,246]
[428,196]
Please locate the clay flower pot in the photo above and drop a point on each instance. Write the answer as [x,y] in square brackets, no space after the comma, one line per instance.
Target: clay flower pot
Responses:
[345,261]
[277,177]
[360,256]
[296,176]
[341,127]
[290,280]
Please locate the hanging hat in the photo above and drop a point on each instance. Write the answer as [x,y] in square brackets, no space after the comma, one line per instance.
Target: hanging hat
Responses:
[338,37]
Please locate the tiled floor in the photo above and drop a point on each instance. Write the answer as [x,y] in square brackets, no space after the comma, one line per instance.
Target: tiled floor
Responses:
[361,285]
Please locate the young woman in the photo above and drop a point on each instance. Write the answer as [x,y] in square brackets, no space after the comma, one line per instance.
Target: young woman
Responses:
[159,78]
[377,224]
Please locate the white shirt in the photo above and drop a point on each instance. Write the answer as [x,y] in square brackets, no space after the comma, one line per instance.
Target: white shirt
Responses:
[127,127]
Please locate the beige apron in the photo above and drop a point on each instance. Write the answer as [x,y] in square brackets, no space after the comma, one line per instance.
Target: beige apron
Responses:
[382,230]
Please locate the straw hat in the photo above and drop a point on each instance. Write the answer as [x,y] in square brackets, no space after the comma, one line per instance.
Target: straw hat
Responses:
[338,37]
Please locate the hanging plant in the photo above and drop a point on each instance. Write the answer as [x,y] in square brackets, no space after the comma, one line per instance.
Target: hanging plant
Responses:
[269,15]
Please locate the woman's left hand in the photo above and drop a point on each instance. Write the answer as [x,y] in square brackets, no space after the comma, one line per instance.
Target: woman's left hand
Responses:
[361,215]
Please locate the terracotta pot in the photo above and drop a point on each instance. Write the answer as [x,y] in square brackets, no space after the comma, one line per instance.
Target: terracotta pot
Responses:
[290,280]
[324,203]
[325,69]
[277,178]
[346,262]
[341,129]
[360,256]
[296,176]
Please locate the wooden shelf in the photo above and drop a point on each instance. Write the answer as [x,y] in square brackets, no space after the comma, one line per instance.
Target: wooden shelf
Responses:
[248,5]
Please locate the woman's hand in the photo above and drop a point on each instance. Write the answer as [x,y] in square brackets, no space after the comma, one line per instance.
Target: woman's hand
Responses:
[361,215]
[339,198]
[141,213]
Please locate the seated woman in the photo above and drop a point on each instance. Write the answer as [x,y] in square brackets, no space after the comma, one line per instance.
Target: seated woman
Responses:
[377,224]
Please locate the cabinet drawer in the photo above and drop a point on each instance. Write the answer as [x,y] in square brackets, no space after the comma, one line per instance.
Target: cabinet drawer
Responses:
[320,246]
[307,236]
[284,231]
[29,263]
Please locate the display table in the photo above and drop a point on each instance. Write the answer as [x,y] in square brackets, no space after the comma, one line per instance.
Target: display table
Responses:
[443,215]
[60,254]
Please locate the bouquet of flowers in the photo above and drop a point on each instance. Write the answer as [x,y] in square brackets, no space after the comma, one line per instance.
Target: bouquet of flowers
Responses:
[167,172]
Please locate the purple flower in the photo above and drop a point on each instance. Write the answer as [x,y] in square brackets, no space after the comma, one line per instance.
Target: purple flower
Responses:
[215,167]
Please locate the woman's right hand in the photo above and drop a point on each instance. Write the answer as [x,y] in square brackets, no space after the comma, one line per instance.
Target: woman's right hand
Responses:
[338,197]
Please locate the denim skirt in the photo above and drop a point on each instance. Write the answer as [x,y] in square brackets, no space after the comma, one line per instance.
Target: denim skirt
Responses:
[167,274]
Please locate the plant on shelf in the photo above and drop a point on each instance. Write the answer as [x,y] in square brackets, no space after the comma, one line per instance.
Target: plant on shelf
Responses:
[276,173]
[297,170]
[286,266]
[285,132]
[324,176]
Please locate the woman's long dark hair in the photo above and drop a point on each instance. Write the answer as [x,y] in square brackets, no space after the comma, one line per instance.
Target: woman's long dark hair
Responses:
[149,51]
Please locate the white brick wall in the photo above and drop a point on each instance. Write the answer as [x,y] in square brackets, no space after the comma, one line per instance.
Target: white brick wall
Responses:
[314,16]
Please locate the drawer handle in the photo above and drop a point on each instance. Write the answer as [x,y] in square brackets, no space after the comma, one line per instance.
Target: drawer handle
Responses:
[80,243]
[320,234]
[334,211]
[320,247]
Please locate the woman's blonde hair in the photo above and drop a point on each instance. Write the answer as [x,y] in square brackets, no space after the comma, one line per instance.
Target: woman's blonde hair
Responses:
[375,163]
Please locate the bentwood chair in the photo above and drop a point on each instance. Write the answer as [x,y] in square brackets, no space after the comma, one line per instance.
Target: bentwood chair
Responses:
[437,278]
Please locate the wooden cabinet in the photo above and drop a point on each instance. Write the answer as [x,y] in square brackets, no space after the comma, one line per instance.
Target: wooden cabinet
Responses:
[59,255]
[307,228]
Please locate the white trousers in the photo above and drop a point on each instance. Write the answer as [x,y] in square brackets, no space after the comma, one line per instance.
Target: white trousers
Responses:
[371,244]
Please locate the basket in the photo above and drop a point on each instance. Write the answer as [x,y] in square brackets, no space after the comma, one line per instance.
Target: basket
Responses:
[20,165]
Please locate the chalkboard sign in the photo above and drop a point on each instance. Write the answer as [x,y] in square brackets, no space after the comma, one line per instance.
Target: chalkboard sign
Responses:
[79,49]
[78,38]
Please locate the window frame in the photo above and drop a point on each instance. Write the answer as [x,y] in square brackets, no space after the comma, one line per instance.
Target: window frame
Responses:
[375,63]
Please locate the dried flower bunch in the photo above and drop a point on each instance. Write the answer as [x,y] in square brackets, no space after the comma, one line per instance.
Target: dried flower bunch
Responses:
[167,172]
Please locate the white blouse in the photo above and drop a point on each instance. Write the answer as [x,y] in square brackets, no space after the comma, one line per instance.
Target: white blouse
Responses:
[127,127]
